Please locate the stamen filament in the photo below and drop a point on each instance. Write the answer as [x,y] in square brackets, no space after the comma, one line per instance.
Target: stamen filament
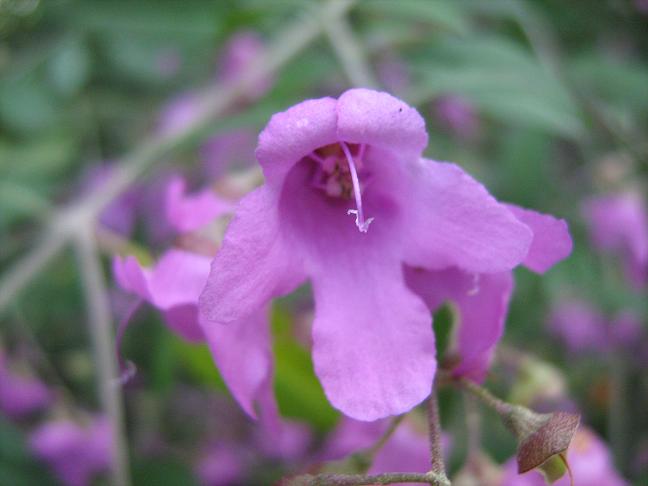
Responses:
[361,223]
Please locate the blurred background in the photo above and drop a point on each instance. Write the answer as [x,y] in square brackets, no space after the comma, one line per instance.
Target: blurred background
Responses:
[545,102]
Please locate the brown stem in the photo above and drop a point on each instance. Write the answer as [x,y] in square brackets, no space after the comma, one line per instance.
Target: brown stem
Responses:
[434,424]
[360,479]
[485,396]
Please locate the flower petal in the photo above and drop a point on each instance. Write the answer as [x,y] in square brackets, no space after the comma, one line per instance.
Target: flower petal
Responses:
[551,239]
[482,304]
[378,119]
[188,213]
[294,133]
[253,265]
[373,346]
[454,221]
[241,351]
[173,286]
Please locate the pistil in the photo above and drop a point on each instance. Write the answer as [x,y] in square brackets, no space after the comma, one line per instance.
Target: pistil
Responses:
[361,223]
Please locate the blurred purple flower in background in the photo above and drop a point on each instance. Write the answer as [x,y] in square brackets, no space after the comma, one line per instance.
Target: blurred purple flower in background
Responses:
[642,6]
[222,464]
[618,224]
[241,51]
[579,326]
[76,453]
[190,212]
[120,215]
[583,328]
[406,450]
[21,395]
[393,73]
[589,460]
[458,115]
[324,159]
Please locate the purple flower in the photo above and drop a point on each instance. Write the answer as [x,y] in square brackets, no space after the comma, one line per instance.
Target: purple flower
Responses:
[232,149]
[188,213]
[407,450]
[179,113]
[642,6]
[582,328]
[172,286]
[241,51]
[222,465]
[75,453]
[119,216]
[481,300]
[20,396]
[174,283]
[324,159]
[458,115]
[393,73]
[579,326]
[589,460]
[618,224]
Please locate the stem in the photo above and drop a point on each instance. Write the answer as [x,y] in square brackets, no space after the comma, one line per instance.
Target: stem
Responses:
[485,396]
[22,272]
[359,479]
[68,222]
[473,426]
[434,424]
[349,52]
[393,425]
[102,340]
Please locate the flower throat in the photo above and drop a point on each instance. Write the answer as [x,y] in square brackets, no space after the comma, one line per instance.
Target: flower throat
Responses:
[338,175]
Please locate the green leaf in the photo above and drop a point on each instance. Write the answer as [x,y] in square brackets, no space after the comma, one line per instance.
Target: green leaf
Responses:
[298,390]
[163,472]
[440,13]
[503,80]
[17,465]
[198,362]
[69,67]
[26,104]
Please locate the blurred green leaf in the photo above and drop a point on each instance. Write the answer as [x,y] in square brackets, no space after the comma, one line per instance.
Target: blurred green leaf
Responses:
[69,68]
[503,80]
[41,157]
[17,466]
[163,472]
[298,390]
[198,362]
[26,104]
[437,12]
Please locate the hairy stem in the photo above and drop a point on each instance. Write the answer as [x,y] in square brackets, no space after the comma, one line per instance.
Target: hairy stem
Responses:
[485,396]
[359,479]
[68,222]
[434,425]
[102,340]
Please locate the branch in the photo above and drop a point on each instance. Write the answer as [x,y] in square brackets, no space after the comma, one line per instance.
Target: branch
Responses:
[102,340]
[349,52]
[359,479]
[434,424]
[68,222]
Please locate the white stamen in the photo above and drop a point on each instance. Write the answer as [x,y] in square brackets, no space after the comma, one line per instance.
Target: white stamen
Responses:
[361,223]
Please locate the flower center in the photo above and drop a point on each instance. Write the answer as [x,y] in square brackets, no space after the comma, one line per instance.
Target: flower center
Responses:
[340,174]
